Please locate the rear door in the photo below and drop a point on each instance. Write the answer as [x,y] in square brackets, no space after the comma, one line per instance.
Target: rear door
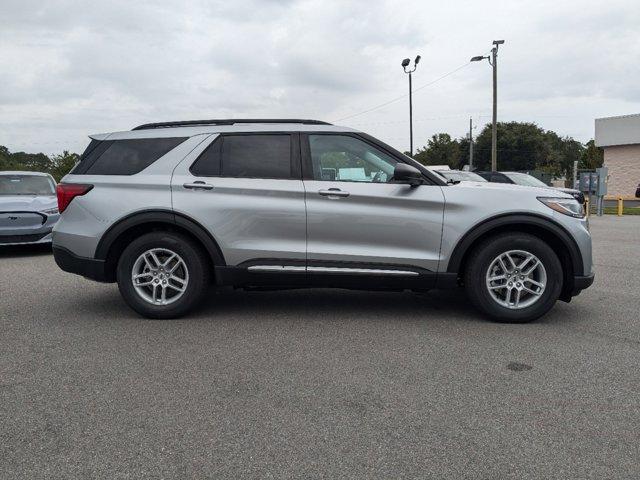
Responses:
[357,217]
[247,191]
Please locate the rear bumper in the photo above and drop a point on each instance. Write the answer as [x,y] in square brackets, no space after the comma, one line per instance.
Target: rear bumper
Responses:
[87,267]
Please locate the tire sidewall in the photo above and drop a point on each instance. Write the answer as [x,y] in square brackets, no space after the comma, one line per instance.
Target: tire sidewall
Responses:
[496,246]
[178,244]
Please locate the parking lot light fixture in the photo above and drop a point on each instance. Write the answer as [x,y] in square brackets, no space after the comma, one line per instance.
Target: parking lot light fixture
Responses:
[405,63]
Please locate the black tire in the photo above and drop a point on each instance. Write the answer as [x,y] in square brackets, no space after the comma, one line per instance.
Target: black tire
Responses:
[480,261]
[196,263]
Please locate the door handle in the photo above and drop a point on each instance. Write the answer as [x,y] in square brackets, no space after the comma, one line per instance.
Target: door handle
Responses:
[198,185]
[333,192]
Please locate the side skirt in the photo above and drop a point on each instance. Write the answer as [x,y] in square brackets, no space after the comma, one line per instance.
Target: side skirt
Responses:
[274,276]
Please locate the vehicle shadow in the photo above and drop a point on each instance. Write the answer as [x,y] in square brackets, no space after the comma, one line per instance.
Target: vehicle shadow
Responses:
[229,305]
[337,304]
[17,251]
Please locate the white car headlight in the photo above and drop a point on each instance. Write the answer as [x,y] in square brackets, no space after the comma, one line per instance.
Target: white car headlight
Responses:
[50,211]
[566,206]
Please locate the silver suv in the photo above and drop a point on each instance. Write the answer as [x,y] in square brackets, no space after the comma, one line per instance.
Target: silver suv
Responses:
[169,208]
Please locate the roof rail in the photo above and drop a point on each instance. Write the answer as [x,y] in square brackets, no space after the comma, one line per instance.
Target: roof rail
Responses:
[230,121]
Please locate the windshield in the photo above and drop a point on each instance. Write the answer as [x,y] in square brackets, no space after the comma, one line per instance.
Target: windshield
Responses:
[26,185]
[526,180]
[461,176]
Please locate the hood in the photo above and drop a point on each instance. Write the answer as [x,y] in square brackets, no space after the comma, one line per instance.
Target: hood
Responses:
[538,191]
[27,203]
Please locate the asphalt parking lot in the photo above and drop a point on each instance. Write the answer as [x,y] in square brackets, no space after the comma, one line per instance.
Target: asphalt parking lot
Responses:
[319,383]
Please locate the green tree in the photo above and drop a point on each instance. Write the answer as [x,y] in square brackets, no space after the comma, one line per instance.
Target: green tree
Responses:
[57,165]
[521,146]
[61,164]
[441,149]
[592,157]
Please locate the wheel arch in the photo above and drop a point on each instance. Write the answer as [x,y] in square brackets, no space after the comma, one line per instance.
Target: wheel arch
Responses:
[547,230]
[118,236]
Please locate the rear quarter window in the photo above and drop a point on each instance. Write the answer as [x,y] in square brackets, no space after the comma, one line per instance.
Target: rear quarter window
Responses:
[124,157]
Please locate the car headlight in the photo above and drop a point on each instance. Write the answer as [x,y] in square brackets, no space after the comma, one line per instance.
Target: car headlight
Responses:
[50,211]
[566,206]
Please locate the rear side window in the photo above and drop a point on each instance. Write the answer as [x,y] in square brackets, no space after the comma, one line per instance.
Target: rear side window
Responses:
[246,156]
[124,157]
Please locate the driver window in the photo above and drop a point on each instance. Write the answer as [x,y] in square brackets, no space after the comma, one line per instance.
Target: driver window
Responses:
[347,159]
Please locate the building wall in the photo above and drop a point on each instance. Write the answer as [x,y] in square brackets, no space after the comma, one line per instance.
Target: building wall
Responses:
[624,169]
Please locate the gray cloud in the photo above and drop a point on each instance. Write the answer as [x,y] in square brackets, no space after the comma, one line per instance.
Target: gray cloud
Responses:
[71,68]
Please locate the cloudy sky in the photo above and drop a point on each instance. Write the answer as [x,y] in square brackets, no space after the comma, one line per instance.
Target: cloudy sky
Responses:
[71,68]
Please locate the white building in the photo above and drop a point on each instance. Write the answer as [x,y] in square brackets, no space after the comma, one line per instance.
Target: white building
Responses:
[620,139]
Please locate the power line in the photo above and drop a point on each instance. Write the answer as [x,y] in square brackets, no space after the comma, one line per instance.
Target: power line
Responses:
[403,96]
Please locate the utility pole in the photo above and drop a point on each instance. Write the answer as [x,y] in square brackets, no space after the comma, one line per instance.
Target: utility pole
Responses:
[493,61]
[470,144]
[405,64]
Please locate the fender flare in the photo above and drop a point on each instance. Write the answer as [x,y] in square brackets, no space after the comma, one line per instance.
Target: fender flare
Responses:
[159,216]
[514,220]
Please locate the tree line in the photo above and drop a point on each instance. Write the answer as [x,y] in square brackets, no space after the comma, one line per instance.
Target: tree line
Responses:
[56,165]
[521,146]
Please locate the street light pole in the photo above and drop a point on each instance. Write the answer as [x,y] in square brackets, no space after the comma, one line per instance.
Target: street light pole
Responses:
[493,61]
[405,64]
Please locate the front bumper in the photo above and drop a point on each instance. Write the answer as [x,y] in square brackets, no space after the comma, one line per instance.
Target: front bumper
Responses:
[581,282]
[87,267]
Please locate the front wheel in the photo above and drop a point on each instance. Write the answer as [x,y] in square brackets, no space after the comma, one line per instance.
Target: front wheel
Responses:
[513,277]
[162,275]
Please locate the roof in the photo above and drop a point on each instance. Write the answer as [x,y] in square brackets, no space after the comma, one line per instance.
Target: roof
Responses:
[622,130]
[189,130]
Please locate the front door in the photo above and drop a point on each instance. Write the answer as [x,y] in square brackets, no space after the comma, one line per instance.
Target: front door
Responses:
[358,217]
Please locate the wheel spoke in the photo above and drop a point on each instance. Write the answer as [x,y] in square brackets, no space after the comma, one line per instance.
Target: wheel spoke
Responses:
[176,288]
[496,278]
[155,293]
[148,263]
[502,265]
[142,275]
[155,258]
[536,283]
[513,264]
[144,284]
[175,266]
[177,279]
[531,269]
[163,295]
[532,292]
[525,261]
[497,287]
[171,257]
[508,297]
[517,301]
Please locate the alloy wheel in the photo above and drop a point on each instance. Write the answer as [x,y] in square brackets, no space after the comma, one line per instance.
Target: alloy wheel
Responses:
[160,276]
[516,279]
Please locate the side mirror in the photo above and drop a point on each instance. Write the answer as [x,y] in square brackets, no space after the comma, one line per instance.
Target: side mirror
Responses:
[404,173]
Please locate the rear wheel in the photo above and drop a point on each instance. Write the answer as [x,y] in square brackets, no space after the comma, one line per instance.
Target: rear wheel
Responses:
[514,277]
[162,275]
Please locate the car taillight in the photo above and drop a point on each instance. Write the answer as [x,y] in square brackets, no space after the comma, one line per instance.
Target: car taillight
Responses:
[68,191]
